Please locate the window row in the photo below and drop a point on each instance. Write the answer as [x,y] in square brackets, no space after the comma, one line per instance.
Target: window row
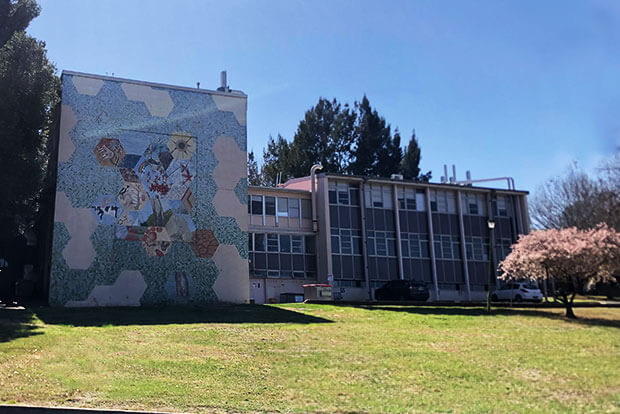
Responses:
[474,204]
[282,264]
[411,199]
[378,196]
[346,241]
[381,243]
[477,248]
[447,247]
[414,245]
[443,201]
[284,243]
[344,193]
[280,206]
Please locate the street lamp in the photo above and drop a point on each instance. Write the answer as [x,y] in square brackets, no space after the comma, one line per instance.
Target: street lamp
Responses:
[491,224]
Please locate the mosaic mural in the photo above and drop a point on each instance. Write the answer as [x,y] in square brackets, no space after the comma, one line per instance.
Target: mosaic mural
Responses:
[151,195]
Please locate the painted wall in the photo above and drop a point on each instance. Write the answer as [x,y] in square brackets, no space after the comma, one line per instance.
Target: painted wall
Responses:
[151,195]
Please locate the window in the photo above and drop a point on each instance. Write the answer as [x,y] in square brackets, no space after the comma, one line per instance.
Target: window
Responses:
[474,204]
[443,201]
[259,242]
[297,243]
[502,209]
[293,207]
[306,209]
[282,207]
[285,243]
[310,248]
[250,242]
[272,242]
[257,205]
[270,206]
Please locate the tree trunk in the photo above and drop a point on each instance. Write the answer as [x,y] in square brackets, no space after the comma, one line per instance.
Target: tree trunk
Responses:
[569,307]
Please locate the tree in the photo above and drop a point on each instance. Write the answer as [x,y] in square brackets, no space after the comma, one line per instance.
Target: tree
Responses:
[576,199]
[325,136]
[410,164]
[254,175]
[277,161]
[570,257]
[377,153]
[29,91]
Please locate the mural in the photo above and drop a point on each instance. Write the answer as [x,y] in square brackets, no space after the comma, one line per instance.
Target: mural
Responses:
[150,195]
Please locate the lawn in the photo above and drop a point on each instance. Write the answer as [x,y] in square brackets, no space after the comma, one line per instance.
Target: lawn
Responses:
[303,357]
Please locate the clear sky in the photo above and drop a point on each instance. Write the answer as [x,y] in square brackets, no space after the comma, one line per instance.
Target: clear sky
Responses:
[516,88]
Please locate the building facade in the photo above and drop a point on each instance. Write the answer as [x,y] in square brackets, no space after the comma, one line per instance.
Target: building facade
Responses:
[374,230]
[151,195]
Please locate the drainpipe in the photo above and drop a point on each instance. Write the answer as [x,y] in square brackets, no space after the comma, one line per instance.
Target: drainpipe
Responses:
[315,223]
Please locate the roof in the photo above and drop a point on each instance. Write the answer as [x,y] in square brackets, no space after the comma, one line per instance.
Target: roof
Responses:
[231,94]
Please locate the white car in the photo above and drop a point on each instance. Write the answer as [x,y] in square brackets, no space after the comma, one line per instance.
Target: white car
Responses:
[518,292]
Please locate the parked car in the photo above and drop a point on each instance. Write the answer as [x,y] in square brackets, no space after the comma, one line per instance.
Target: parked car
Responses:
[402,290]
[518,292]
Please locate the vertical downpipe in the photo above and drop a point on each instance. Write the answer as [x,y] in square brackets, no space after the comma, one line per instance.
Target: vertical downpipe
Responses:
[431,240]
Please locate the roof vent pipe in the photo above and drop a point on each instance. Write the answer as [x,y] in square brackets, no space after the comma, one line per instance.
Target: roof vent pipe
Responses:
[223,82]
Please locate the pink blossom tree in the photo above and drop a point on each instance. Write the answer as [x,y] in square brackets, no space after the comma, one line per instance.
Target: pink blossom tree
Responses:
[570,257]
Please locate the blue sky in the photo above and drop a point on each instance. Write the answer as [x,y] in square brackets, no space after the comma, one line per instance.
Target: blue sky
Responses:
[518,88]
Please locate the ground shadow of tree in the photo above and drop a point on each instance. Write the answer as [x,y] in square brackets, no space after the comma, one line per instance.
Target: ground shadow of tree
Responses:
[17,323]
[481,312]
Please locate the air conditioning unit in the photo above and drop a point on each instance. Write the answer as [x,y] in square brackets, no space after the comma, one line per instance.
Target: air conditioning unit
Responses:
[398,177]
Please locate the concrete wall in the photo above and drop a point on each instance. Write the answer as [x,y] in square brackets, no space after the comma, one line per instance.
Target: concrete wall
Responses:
[151,195]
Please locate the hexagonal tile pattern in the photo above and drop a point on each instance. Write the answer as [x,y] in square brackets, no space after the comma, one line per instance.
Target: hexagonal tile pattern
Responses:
[127,290]
[65,144]
[132,196]
[79,252]
[232,284]
[231,165]
[156,241]
[227,204]
[157,101]
[204,243]
[87,86]
[232,104]
[109,152]
[107,209]
[182,145]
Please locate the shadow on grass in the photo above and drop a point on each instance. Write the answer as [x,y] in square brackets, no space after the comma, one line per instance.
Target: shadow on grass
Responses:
[470,311]
[16,323]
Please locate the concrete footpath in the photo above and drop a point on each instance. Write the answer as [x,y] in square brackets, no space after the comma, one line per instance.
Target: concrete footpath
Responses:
[30,409]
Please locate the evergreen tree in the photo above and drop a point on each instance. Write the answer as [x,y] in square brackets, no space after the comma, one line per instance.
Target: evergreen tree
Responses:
[28,91]
[325,136]
[277,160]
[377,153]
[254,176]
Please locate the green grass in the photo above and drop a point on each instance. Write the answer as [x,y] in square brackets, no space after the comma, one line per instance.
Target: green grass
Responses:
[302,357]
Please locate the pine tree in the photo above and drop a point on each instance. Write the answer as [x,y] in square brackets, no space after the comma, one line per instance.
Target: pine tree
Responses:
[277,161]
[377,153]
[325,136]
[254,175]
[410,165]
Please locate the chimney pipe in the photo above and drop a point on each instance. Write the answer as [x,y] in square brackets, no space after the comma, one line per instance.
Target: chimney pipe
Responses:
[223,82]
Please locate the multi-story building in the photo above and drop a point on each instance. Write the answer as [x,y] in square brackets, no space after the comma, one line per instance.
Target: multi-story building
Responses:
[372,230]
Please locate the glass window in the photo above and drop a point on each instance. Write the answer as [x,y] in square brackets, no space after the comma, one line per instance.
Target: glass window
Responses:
[293,207]
[377,199]
[272,242]
[270,206]
[285,243]
[306,208]
[381,243]
[345,242]
[310,248]
[259,242]
[335,244]
[387,196]
[257,205]
[354,195]
[297,244]
[343,193]
[420,200]
[251,242]
[282,207]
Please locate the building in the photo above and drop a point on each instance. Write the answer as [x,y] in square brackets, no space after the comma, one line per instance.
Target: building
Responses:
[372,230]
[151,209]
[151,194]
